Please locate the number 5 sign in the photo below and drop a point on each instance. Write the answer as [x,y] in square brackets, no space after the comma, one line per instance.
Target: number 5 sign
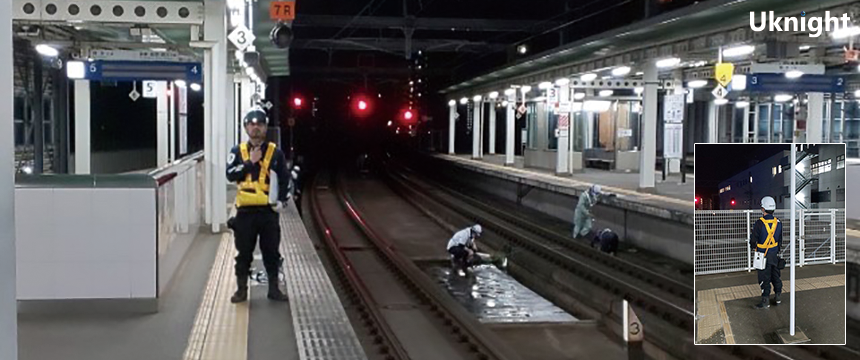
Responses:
[282,10]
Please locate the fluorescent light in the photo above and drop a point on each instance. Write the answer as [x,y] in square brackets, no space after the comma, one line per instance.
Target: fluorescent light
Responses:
[695,84]
[464,101]
[180,83]
[75,70]
[738,51]
[511,92]
[539,99]
[562,82]
[605,93]
[666,63]
[793,74]
[739,82]
[607,77]
[477,98]
[782,97]
[525,89]
[845,32]
[621,71]
[596,105]
[742,104]
[452,102]
[47,50]
[804,47]
[579,96]
[721,101]
[196,87]
[493,95]
[505,103]
[857,93]
[545,85]
[639,90]
[640,73]
[588,77]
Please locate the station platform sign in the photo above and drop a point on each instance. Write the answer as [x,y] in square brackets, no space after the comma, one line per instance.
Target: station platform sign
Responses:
[774,82]
[105,70]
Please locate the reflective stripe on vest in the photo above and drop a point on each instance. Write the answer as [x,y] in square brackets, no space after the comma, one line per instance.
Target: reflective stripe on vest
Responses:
[770,226]
[255,192]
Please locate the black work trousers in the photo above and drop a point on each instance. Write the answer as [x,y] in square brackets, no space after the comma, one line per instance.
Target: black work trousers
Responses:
[770,274]
[250,223]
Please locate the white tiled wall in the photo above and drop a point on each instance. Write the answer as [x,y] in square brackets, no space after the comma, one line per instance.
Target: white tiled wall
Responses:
[85,243]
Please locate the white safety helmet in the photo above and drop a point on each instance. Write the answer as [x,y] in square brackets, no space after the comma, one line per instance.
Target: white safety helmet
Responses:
[768,203]
[476,229]
[595,189]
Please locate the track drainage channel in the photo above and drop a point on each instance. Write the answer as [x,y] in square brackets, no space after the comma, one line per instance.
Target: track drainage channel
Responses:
[495,297]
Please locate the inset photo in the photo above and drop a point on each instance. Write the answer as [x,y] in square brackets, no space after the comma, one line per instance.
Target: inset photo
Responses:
[770,244]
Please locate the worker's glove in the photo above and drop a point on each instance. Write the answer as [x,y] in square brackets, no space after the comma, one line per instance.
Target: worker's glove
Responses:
[280,206]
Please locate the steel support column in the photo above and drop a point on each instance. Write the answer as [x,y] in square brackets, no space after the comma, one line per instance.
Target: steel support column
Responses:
[215,32]
[476,129]
[38,115]
[815,118]
[648,158]
[8,305]
[162,121]
[510,122]
[452,129]
[82,127]
[492,109]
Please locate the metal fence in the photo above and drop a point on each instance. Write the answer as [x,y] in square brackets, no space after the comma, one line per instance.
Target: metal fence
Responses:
[722,238]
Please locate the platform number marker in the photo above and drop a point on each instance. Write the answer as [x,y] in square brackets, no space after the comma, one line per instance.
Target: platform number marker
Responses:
[720,92]
[241,37]
[268,105]
[150,89]
[134,95]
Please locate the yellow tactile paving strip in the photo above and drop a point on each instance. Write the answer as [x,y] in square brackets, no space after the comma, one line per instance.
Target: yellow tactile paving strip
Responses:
[711,312]
[220,330]
[572,182]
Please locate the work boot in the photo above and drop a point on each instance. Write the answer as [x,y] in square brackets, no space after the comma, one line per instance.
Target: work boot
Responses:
[274,291]
[777,299]
[241,294]
[764,304]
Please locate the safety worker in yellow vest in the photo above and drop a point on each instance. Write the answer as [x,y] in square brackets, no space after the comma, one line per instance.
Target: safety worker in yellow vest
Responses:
[248,165]
[767,239]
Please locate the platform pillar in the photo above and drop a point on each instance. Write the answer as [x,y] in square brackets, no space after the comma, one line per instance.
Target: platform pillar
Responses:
[8,304]
[814,118]
[452,129]
[492,109]
[648,158]
[215,117]
[510,122]
[82,127]
[162,120]
[476,128]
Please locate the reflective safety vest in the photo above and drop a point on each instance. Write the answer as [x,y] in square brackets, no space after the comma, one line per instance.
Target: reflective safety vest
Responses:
[770,242]
[255,193]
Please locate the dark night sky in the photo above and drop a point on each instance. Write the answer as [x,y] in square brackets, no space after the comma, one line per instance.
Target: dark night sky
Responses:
[718,162]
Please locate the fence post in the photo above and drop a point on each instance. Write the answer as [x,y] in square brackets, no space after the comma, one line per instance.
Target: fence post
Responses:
[749,251]
[832,236]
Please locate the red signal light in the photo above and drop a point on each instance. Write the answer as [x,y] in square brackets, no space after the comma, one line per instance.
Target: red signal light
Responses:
[297,102]
[733,201]
[408,115]
[697,200]
[362,105]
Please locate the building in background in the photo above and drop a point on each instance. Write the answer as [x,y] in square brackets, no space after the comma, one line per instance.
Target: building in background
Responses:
[820,180]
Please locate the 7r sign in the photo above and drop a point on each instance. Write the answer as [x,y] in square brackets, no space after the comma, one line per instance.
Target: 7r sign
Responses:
[282,10]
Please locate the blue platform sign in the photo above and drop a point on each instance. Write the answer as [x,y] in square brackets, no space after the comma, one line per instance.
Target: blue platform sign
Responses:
[767,82]
[143,70]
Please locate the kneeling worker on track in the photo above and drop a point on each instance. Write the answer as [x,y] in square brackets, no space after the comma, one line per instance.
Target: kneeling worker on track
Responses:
[464,251]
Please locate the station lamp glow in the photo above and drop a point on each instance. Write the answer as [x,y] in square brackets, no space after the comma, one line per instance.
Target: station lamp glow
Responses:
[505,103]
[511,92]
[525,89]
[477,98]
[196,87]
[562,82]
[579,96]
[638,90]
[737,51]
[793,74]
[47,50]
[606,93]
[452,102]
[782,97]
[667,63]
[742,104]
[75,70]
[545,85]
[180,83]
[721,101]
[845,32]
[621,71]
[588,77]
[464,101]
[695,84]
[494,95]
[857,94]
[596,105]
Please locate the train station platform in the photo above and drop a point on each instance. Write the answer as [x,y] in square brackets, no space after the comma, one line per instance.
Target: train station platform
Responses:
[196,320]
[725,312]
[670,199]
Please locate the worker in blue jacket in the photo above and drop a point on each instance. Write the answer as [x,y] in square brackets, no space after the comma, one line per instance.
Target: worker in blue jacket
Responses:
[767,240]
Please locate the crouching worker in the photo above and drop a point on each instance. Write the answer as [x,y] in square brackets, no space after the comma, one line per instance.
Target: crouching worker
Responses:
[606,241]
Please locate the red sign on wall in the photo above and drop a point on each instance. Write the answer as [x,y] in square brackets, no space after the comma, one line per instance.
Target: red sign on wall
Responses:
[282,10]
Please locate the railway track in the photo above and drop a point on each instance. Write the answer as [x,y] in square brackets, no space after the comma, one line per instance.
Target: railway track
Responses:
[663,300]
[375,274]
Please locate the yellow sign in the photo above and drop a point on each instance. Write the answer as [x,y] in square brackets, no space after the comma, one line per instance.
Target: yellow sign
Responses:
[723,73]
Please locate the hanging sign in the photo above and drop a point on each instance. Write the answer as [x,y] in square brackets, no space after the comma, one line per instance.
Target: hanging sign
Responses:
[150,89]
[723,73]
[282,10]
[673,108]
[720,92]
[241,37]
